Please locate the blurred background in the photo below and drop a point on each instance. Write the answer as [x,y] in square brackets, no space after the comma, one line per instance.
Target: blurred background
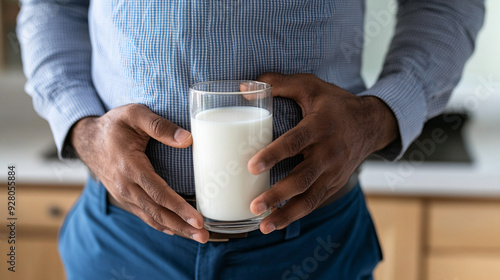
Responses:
[436,210]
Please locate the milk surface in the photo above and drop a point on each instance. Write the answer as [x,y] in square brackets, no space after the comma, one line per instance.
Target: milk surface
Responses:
[224,140]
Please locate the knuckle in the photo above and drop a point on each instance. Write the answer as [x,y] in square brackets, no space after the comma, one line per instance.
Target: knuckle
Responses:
[122,189]
[128,111]
[179,208]
[156,195]
[156,214]
[283,220]
[308,174]
[296,141]
[125,115]
[310,202]
[142,203]
[274,198]
[304,180]
[151,189]
[157,126]
[123,166]
[315,196]
[146,214]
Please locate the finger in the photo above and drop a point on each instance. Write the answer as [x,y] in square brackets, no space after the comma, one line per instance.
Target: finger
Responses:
[163,220]
[245,86]
[144,175]
[287,145]
[257,90]
[148,220]
[153,214]
[297,87]
[278,81]
[297,182]
[143,119]
[296,208]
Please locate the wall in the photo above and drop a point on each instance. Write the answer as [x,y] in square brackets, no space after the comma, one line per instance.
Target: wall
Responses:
[478,91]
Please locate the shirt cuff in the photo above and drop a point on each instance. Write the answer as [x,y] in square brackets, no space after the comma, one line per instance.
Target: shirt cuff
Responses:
[404,96]
[72,105]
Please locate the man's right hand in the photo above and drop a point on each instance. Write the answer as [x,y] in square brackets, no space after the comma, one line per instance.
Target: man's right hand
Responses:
[113,147]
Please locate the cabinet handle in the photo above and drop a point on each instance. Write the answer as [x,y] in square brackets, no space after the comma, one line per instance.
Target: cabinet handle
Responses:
[55,211]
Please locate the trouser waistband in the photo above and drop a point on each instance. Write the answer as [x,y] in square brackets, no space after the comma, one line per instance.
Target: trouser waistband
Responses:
[222,237]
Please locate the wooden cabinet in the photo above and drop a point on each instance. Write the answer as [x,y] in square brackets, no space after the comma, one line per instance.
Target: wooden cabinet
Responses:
[464,225]
[40,211]
[463,265]
[463,240]
[437,239]
[399,227]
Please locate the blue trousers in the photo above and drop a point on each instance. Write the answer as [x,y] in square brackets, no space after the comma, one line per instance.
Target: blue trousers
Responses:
[101,241]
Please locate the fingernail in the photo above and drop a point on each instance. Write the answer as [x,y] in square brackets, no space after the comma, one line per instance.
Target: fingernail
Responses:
[260,208]
[193,222]
[196,237]
[168,232]
[181,135]
[261,167]
[244,87]
[269,228]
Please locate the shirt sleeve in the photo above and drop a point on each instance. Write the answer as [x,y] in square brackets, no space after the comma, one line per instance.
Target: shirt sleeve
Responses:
[56,53]
[432,41]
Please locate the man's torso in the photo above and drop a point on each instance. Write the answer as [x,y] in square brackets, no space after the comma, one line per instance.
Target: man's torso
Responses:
[150,52]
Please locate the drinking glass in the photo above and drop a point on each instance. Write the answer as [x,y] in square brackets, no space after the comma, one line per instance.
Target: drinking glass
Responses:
[230,122]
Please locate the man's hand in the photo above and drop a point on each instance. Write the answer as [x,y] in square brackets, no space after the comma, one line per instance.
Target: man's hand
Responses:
[113,147]
[337,132]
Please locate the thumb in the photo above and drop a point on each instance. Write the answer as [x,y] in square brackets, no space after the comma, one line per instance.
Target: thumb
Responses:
[160,128]
[297,87]
[278,81]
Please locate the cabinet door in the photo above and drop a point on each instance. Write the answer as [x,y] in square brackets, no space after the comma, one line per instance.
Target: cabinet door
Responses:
[36,258]
[399,225]
[463,265]
[466,225]
[464,239]
[39,211]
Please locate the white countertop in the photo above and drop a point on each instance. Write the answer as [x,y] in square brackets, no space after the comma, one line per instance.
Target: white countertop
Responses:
[24,147]
[25,137]
[481,178]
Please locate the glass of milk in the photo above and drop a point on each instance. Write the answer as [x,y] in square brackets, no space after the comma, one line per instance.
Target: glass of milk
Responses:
[230,122]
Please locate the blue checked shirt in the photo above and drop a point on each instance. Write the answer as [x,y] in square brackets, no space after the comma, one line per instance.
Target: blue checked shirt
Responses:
[83,59]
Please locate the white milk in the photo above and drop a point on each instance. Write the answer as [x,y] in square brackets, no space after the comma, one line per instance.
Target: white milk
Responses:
[224,140]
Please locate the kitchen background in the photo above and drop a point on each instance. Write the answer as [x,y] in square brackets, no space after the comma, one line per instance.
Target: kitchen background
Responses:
[436,210]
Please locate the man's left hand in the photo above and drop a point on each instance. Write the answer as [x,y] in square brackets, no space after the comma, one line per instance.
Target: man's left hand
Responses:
[337,132]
